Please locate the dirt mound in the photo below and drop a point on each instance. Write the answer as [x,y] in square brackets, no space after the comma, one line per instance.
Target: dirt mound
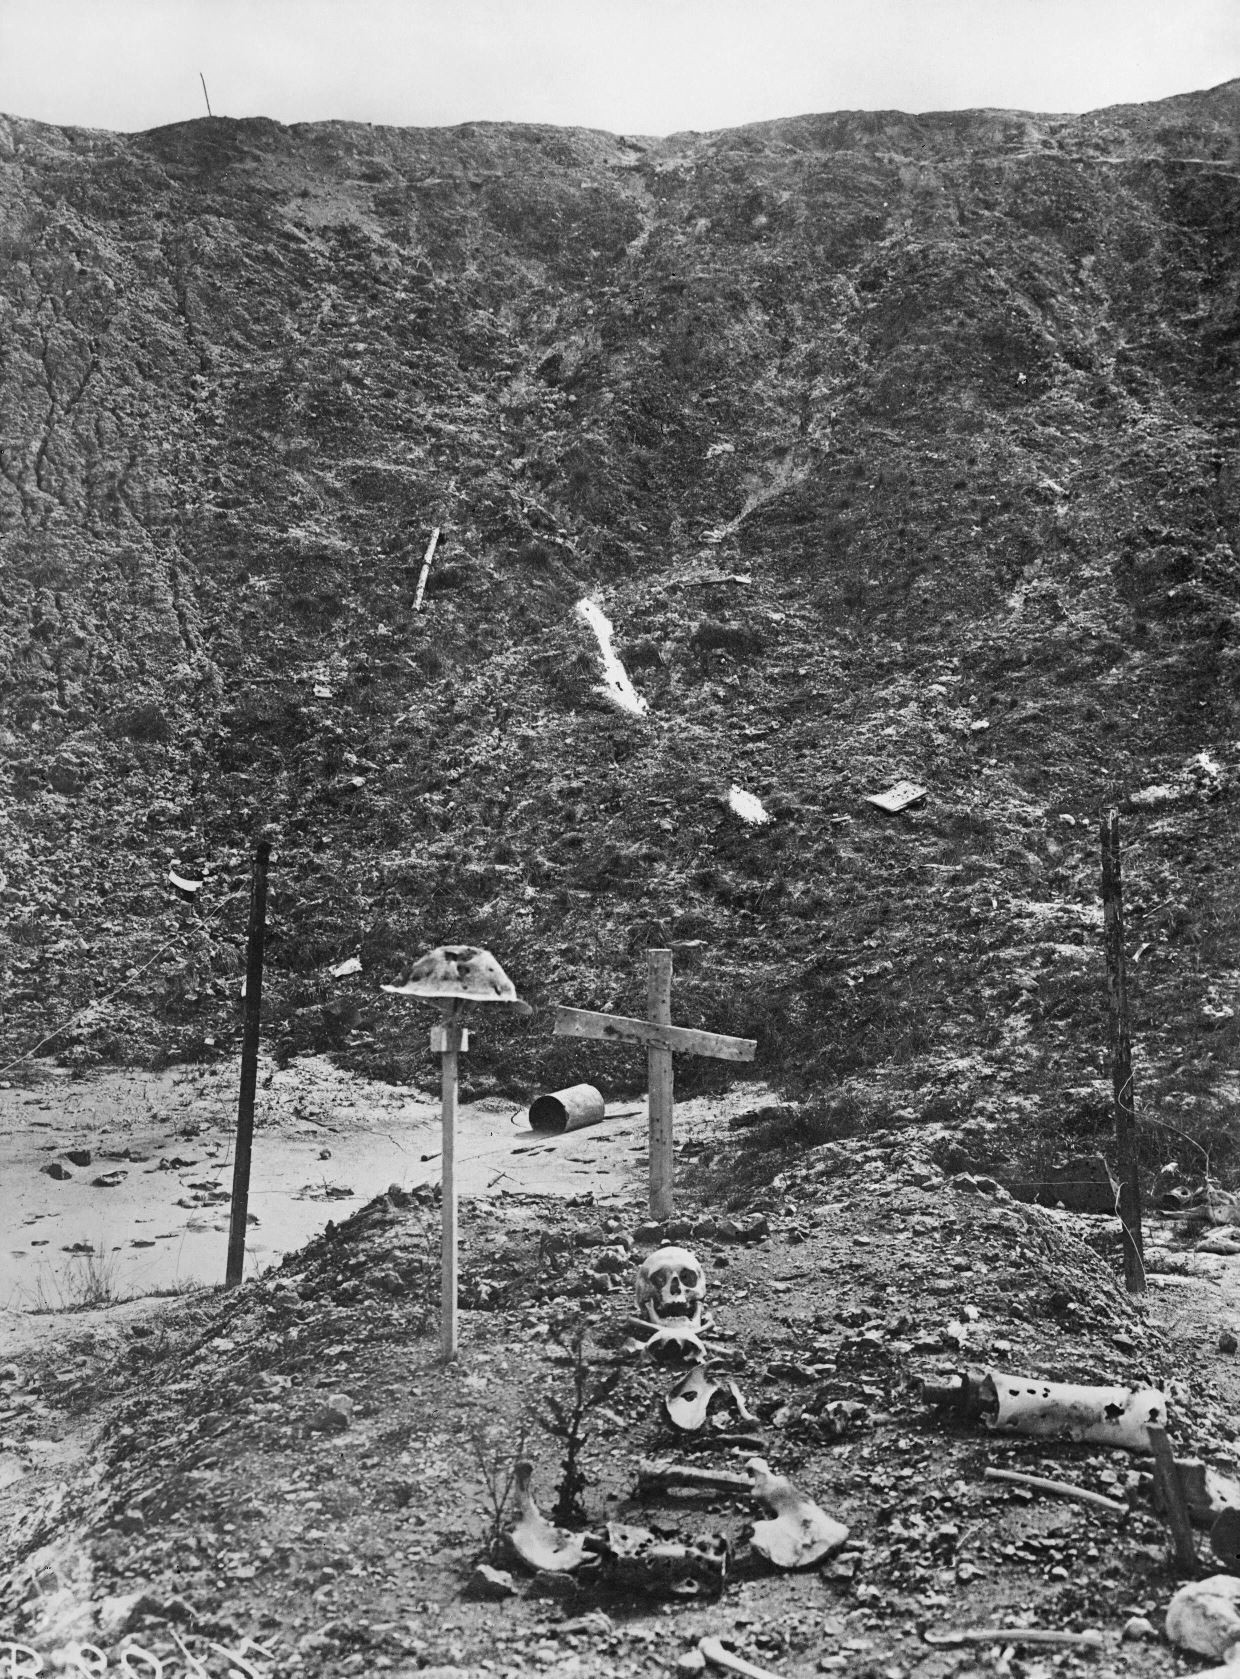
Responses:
[291,1464]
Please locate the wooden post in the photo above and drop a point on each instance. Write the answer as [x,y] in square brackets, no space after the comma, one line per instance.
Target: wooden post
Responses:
[1121,1058]
[426,569]
[659,1077]
[448,1040]
[239,1212]
[1171,1493]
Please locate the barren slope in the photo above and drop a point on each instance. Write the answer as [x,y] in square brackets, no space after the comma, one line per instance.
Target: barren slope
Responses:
[892,445]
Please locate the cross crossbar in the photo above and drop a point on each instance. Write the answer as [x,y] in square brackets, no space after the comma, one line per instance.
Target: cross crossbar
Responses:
[618,1028]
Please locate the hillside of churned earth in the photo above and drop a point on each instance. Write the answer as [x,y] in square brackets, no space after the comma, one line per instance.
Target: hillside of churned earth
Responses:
[893,447]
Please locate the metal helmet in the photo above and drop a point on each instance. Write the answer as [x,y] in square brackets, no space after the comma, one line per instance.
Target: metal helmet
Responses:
[461,971]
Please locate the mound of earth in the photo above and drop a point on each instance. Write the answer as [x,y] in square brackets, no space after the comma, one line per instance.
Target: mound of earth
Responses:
[289,1472]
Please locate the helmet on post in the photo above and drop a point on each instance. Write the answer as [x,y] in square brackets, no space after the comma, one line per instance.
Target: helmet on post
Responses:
[463,972]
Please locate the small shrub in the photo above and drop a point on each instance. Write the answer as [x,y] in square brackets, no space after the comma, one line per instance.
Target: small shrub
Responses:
[497,1454]
[567,1419]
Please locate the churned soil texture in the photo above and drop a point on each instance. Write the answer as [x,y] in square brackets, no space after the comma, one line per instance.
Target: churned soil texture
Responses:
[894,447]
[292,1464]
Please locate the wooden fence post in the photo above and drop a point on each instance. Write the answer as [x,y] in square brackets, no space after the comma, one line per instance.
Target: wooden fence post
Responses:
[1121,1058]
[239,1211]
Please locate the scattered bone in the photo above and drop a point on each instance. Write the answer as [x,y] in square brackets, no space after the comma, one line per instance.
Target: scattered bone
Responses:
[675,1345]
[689,1402]
[1204,1616]
[538,1543]
[1062,1489]
[634,1558]
[800,1534]
[1088,1640]
[715,1653]
[742,1410]
[656,1475]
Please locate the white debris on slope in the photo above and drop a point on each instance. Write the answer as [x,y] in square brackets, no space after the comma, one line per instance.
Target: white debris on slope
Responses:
[748,807]
[615,683]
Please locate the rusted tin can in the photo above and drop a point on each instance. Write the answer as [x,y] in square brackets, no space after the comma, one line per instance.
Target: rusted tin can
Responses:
[566,1110]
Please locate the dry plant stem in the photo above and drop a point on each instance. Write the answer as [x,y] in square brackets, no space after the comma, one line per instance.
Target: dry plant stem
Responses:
[1081,1495]
[497,1461]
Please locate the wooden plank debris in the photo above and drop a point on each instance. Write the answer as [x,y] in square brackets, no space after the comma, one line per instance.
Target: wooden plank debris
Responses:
[426,569]
[897,798]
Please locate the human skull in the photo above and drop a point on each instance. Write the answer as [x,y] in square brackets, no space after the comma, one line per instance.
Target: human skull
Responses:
[671,1287]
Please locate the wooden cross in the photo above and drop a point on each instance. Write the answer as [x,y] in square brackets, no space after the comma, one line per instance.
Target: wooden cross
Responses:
[661,1039]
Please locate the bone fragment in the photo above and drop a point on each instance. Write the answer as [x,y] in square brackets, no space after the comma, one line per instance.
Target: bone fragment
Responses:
[675,1344]
[715,1653]
[1089,1640]
[1043,1483]
[634,1557]
[656,1475]
[536,1541]
[800,1534]
[688,1401]
[1204,1616]
[743,1413]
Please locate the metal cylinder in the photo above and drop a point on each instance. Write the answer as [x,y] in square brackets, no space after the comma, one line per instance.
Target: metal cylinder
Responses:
[566,1110]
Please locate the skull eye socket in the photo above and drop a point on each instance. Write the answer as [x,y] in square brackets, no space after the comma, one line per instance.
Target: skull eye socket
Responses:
[689,1277]
[659,1279]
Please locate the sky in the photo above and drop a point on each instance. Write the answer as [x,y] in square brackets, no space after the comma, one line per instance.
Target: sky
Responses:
[629,66]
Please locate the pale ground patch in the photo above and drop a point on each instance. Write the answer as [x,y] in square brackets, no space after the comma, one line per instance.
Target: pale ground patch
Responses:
[325,1142]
